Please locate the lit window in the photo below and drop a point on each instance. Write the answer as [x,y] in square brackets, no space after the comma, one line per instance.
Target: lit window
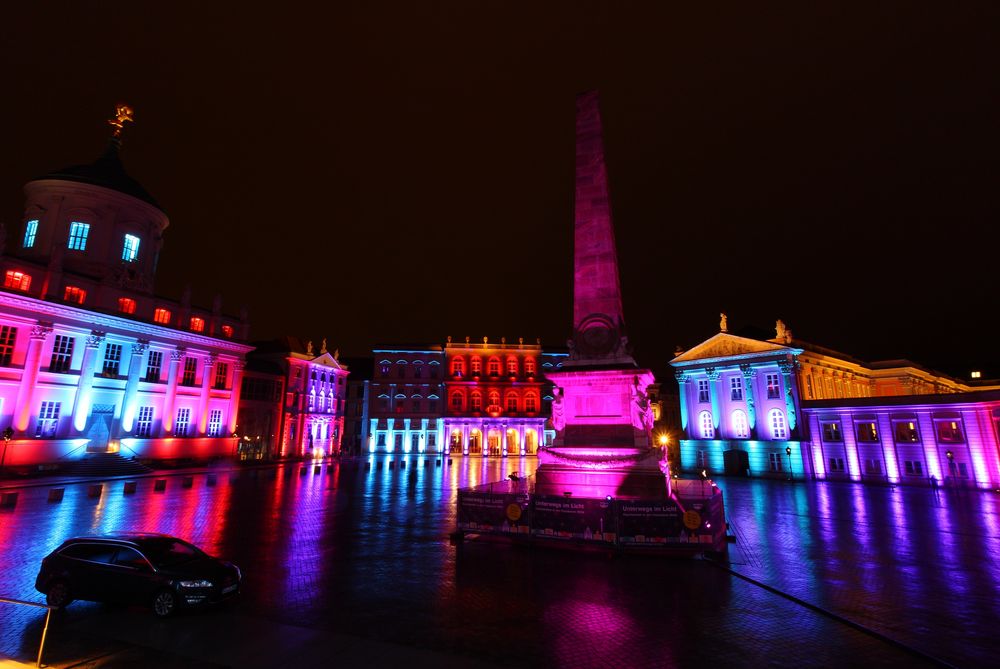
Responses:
[867,433]
[774,386]
[777,422]
[190,369]
[17,280]
[494,401]
[493,367]
[215,423]
[8,335]
[476,365]
[227,331]
[182,423]
[736,389]
[78,236]
[975,375]
[831,433]
[62,354]
[906,432]
[74,294]
[144,424]
[512,365]
[529,366]
[741,427]
[950,432]
[197,324]
[531,404]
[130,249]
[161,316]
[477,402]
[706,425]
[48,420]
[457,367]
[30,230]
[112,360]
[126,305]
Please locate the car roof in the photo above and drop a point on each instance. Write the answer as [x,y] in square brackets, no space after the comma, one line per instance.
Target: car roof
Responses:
[121,537]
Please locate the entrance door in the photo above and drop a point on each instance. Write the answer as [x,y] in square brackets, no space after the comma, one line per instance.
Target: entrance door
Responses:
[513,445]
[99,430]
[737,462]
[475,442]
[530,442]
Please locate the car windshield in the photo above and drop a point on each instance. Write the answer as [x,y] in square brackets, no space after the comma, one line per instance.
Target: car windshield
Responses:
[170,552]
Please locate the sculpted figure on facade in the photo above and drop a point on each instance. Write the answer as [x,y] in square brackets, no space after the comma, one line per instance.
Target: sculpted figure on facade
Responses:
[558,415]
[723,323]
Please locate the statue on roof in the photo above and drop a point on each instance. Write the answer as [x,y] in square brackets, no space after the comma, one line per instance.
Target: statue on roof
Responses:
[309,348]
[123,115]
[723,323]
[322,347]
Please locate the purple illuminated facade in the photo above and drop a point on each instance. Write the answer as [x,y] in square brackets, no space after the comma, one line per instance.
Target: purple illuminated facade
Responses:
[950,439]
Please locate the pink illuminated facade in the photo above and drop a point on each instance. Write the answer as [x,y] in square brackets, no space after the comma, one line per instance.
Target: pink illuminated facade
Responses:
[91,359]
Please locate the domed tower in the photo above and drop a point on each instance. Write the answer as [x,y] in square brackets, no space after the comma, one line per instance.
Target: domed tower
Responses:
[94,220]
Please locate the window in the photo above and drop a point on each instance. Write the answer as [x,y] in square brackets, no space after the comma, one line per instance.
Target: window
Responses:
[736,389]
[906,432]
[221,373]
[476,365]
[161,316]
[131,558]
[958,469]
[101,553]
[384,368]
[837,466]
[431,440]
[74,294]
[62,354]
[512,404]
[493,367]
[741,427]
[867,433]
[78,236]
[832,433]
[144,424]
[531,404]
[477,402]
[30,230]
[312,399]
[774,461]
[494,401]
[456,402]
[873,467]
[190,369]
[215,423]
[433,406]
[398,441]
[701,459]
[776,419]
[112,360]
[8,336]
[197,324]
[950,432]
[773,386]
[706,425]
[703,392]
[458,367]
[126,305]
[48,420]
[130,248]
[381,439]
[227,331]
[153,366]
[913,467]
[17,280]
[529,366]
[183,422]
[512,366]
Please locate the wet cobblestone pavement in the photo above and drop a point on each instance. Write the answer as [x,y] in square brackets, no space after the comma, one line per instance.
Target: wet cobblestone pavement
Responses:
[354,565]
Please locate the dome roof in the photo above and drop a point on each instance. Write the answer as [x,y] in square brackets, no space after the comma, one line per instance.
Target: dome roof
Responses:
[107,171]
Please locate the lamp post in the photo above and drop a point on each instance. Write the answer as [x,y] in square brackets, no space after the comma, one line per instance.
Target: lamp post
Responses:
[236,445]
[7,434]
[788,452]
[951,464]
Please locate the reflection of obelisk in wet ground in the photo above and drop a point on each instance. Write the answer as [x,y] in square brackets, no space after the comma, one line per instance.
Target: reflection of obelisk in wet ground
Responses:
[601,411]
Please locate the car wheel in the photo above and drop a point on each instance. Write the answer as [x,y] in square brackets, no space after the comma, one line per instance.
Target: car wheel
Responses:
[165,603]
[58,594]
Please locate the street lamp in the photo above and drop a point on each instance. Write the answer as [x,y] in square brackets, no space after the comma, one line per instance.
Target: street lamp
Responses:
[951,463]
[236,445]
[7,434]
[788,452]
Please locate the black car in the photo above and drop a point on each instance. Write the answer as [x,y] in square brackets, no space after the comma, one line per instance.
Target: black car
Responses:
[152,569]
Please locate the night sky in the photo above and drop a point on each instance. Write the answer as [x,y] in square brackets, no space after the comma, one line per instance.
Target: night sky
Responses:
[371,172]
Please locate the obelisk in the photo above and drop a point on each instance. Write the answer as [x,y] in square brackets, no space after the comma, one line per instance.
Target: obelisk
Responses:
[601,409]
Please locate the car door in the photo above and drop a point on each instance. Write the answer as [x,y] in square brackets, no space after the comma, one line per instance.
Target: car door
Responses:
[88,566]
[132,579]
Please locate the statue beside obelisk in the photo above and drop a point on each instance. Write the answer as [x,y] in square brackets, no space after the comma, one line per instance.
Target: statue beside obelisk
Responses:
[601,410]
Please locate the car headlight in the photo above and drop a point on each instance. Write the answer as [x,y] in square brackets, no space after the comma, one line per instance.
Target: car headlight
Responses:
[195,584]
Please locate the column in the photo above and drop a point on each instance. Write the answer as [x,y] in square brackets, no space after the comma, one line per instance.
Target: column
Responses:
[176,356]
[26,390]
[234,394]
[82,401]
[132,385]
[787,369]
[749,374]
[465,438]
[206,392]
[521,430]
[503,439]
[682,390]
[713,389]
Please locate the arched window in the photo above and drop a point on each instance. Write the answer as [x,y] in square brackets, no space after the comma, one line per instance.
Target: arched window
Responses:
[511,402]
[511,365]
[705,424]
[529,366]
[494,397]
[477,400]
[776,419]
[458,367]
[493,367]
[476,365]
[457,402]
[741,428]
[530,403]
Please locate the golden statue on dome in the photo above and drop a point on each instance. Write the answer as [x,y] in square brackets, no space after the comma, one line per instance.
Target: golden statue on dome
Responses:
[123,115]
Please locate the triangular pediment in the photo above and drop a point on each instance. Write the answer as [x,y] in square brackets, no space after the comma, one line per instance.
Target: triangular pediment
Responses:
[724,345]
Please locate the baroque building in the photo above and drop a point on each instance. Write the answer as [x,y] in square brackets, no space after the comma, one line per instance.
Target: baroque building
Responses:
[405,400]
[92,359]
